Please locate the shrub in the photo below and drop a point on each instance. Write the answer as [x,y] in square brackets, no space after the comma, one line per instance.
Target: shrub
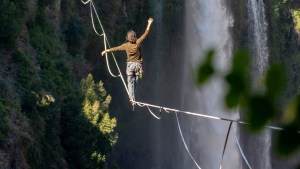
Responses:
[4,108]
[10,24]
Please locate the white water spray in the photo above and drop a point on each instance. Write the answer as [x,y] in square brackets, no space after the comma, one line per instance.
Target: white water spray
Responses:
[208,27]
[258,34]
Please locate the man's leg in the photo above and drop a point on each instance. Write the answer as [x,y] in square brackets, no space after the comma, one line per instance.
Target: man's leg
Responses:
[136,79]
[131,86]
[134,85]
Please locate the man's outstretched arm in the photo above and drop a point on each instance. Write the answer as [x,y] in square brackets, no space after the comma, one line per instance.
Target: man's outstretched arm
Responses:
[150,21]
[118,48]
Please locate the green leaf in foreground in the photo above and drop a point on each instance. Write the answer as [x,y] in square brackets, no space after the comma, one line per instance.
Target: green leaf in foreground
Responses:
[237,79]
[205,70]
[288,141]
[260,111]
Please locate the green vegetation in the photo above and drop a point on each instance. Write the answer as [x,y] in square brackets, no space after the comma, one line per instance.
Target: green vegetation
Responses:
[3,121]
[95,106]
[51,59]
[88,136]
[284,46]
[41,98]
[296,19]
[94,98]
[206,69]
[12,18]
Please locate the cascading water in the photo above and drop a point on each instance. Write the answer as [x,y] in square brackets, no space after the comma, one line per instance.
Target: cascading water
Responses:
[258,32]
[208,26]
[259,153]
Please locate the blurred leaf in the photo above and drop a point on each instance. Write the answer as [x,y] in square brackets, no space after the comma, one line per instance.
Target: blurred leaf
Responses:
[290,112]
[205,70]
[232,99]
[260,111]
[276,80]
[237,88]
[237,79]
[288,141]
[241,61]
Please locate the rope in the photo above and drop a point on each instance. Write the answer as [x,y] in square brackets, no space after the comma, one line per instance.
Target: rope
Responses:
[199,114]
[85,2]
[92,18]
[140,105]
[183,140]
[153,113]
[117,65]
[225,145]
[241,151]
[93,8]
[106,56]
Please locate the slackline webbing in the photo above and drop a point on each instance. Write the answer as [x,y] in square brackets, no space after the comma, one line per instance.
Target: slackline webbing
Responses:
[241,151]
[225,145]
[183,140]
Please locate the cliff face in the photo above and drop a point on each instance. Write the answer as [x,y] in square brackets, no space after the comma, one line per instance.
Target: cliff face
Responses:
[47,48]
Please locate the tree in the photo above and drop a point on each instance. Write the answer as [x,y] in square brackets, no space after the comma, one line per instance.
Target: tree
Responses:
[95,109]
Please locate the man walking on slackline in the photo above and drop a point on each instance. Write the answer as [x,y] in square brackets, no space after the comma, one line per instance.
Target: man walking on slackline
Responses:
[134,58]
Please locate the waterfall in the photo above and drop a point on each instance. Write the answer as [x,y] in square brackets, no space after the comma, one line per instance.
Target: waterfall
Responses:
[260,155]
[208,26]
[258,34]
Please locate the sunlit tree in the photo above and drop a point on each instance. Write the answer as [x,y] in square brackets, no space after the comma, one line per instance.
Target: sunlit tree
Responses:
[95,109]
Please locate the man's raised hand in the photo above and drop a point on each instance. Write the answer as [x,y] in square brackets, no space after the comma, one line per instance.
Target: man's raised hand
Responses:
[150,20]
